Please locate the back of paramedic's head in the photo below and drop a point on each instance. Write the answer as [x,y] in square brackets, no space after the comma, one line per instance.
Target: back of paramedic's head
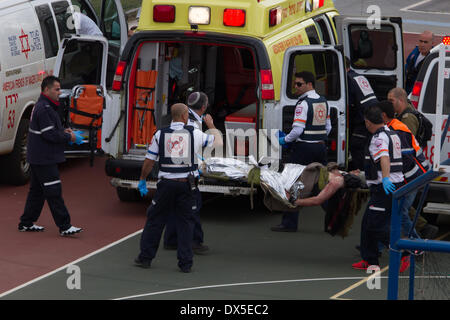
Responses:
[197,100]
[388,108]
[374,118]
[48,82]
[179,113]
[307,76]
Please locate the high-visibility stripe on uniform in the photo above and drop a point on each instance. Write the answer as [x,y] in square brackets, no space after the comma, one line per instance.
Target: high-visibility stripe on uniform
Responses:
[42,131]
[46,184]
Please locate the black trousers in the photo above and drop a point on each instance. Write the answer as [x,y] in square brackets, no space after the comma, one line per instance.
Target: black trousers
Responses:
[375,226]
[45,185]
[170,194]
[170,235]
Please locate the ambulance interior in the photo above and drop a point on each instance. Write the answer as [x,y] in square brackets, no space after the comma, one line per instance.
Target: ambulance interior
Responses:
[165,73]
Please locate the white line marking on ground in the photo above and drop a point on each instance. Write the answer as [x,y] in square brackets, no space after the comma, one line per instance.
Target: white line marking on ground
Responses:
[414,5]
[71,263]
[408,8]
[337,295]
[234,285]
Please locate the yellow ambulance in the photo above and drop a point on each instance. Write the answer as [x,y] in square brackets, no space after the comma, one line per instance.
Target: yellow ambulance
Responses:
[243,54]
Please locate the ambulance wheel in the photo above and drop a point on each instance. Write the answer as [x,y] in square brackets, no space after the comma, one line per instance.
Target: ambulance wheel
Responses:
[15,167]
[128,195]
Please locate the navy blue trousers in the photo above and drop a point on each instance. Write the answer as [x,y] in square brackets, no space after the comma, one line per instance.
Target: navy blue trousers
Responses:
[170,235]
[375,226]
[45,185]
[303,153]
[177,195]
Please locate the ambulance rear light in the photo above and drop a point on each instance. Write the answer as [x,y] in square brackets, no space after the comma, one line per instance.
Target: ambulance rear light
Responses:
[275,16]
[234,17]
[163,13]
[446,40]
[118,76]
[199,15]
[415,94]
[267,88]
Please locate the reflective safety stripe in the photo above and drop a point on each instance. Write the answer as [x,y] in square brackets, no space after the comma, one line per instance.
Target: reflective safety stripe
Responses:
[368,99]
[46,184]
[411,172]
[408,150]
[174,165]
[315,132]
[42,131]
[377,208]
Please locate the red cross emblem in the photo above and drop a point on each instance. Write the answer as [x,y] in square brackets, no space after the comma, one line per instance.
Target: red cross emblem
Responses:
[25,48]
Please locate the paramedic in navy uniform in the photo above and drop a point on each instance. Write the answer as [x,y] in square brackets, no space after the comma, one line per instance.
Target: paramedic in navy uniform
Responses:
[45,149]
[383,170]
[174,147]
[197,103]
[309,134]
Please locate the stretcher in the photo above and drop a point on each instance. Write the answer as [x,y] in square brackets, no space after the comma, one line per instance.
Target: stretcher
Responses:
[85,113]
[144,124]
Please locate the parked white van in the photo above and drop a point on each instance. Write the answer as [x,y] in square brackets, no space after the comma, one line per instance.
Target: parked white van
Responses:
[30,37]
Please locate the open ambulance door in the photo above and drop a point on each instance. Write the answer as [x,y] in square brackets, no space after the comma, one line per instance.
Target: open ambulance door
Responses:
[82,60]
[113,24]
[327,64]
[375,49]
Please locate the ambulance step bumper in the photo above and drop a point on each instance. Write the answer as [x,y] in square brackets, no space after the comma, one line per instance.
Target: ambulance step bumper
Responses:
[151,184]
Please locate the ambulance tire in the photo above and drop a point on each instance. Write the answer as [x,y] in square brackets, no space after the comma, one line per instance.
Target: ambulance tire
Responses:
[16,169]
[128,195]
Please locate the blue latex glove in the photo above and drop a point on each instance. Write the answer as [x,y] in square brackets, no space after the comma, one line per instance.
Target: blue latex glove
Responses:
[78,137]
[281,139]
[142,187]
[388,186]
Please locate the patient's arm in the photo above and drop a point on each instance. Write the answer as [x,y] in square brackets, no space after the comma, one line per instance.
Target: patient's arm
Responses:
[330,189]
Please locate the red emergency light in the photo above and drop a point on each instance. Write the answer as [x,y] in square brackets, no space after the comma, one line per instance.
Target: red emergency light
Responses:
[163,13]
[234,17]
[446,40]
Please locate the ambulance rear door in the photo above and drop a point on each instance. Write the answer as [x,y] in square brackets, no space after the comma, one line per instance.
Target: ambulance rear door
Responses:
[83,60]
[326,62]
[113,23]
[375,49]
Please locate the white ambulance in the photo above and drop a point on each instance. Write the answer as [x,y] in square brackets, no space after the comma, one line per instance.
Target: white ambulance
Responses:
[30,36]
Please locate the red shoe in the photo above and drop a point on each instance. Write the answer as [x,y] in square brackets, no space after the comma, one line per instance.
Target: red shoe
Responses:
[362,265]
[404,264]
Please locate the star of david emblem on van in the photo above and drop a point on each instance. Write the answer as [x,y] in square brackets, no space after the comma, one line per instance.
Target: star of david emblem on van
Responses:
[25,44]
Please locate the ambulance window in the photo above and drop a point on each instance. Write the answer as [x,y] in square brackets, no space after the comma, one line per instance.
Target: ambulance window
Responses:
[82,5]
[63,18]
[111,22]
[429,101]
[321,25]
[373,49]
[48,30]
[312,34]
[325,67]
[79,64]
